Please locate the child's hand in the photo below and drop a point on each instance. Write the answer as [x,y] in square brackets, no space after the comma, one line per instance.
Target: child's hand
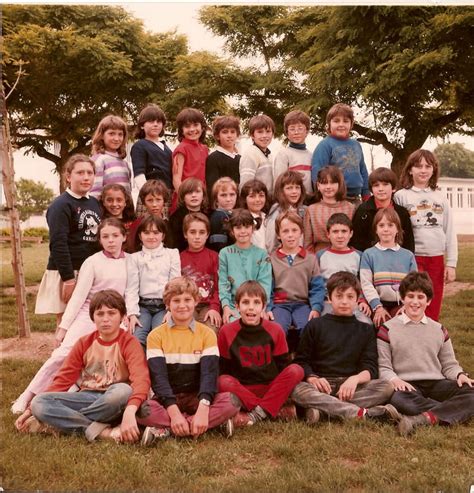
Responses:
[59,336]
[129,428]
[400,385]
[268,315]
[214,317]
[347,389]
[200,421]
[464,379]
[132,323]
[321,384]
[227,313]
[449,274]
[67,289]
[381,316]
[313,314]
[179,424]
[365,308]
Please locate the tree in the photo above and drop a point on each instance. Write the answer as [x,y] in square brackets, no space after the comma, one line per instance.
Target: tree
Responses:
[33,197]
[455,160]
[408,68]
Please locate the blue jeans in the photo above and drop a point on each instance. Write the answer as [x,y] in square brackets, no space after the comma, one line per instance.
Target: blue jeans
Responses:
[287,314]
[152,313]
[358,314]
[87,412]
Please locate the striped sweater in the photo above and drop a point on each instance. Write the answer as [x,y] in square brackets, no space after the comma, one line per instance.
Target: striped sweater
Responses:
[110,169]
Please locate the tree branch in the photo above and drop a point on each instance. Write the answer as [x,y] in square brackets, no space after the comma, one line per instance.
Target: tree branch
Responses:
[375,137]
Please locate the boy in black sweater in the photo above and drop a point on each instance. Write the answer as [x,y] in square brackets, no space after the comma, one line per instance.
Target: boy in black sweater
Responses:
[339,357]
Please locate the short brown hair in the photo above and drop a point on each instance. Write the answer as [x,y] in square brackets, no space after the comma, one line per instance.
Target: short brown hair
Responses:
[196,217]
[191,115]
[154,187]
[180,285]
[339,109]
[110,122]
[77,158]
[109,298]
[150,113]
[340,281]
[334,174]
[111,221]
[296,116]
[392,216]
[288,178]
[222,183]
[250,288]
[260,121]
[339,218]
[383,175]
[406,179]
[149,220]
[417,281]
[255,186]
[189,185]
[225,121]
[291,216]
[241,217]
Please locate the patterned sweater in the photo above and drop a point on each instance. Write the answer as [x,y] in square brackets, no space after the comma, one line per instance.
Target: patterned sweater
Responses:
[254,164]
[293,159]
[110,169]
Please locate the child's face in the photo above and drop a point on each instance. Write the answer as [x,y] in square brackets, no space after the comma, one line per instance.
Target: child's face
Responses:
[415,304]
[193,200]
[292,193]
[153,129]
[192,130]
[340,127]
[339,236]
[107,321]
[196,236]
[226,198]
[255,201]
[227,138]
[328,190]
[343,301]
[154,204]
[111,239]
[262,137]
[386,232]
[250,308]
[297,133]
[182,308]
[113,139]
[81,178]
[242,235]
[290,235]
[421,173]
[114,203]
[151,238]
[382,191]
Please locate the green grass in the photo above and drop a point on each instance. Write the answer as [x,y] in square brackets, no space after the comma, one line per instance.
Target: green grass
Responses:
[35,259]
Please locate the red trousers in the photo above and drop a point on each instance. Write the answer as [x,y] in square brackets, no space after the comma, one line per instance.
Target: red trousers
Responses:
[269,397]
[434,266]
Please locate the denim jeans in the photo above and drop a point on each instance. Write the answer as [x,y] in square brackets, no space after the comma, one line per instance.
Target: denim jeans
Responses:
[87,412]
[152,312]
[287,314]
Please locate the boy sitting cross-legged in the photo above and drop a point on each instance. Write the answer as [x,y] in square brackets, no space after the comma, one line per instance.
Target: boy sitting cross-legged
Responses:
[339,357]
[184,364]
[254,359]
[110,370]
[417,357]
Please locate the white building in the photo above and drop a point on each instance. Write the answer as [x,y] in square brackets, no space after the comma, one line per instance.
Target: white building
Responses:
[460,193]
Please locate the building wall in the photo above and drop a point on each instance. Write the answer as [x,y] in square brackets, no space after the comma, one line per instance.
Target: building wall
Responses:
[460,193]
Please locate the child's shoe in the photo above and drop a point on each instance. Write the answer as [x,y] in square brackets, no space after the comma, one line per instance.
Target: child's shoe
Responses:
[152,434]
[227,428]
[312,415]
[258,414]
[21,404]
[287,412]
[408,424]
[383,414]
[241,420]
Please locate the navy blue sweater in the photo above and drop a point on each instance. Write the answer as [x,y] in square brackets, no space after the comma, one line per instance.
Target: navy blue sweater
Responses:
[150,160]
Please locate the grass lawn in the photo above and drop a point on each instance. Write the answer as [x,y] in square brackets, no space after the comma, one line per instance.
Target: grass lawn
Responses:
[270,457]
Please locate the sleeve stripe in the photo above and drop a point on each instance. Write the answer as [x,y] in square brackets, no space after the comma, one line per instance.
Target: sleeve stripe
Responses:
[154,353]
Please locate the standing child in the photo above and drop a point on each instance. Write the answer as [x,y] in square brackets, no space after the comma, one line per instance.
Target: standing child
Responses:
[183,359]
[73,219]
[383,267]
[147,273]
[340,150]
[201,264]
[241,262]
[254,197]
[296,156]
[382,183]
[254,359]
[223,196]
[330,198]
[256,162]
[108,153]
[224,161]
[103,270]
[416,355]
[189,157]
[289,195]
[191,198]
[432,223]
[117,202]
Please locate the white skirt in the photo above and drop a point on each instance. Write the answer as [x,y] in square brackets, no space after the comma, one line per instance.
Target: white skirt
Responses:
[49,299]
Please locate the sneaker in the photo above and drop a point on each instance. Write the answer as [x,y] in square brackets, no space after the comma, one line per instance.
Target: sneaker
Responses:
[287,412]
[408,424]
[312,415]
[242,419]
[20,405]
[383,414]
[227,428]
[32,425]
[152,434]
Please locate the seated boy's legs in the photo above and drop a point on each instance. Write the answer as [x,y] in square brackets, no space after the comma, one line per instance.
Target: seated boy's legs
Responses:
[223,407]
[282,314]
[87,411]
[444,398]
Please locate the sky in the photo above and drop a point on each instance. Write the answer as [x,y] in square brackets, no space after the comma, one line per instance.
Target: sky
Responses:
[183,16]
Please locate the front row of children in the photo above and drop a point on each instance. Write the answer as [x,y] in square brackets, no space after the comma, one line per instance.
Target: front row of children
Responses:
[407,374]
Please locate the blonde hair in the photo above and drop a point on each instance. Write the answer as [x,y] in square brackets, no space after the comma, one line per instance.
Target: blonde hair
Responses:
[221,184]
[180,285]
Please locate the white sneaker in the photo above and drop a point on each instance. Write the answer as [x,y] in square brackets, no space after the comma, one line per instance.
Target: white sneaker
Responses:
[20,405]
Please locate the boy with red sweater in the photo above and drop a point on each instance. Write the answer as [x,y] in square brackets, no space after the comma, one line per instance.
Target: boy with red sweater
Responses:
[110,368]
[254,359]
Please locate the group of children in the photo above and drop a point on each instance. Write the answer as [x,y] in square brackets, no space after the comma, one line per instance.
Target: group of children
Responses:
[211,293]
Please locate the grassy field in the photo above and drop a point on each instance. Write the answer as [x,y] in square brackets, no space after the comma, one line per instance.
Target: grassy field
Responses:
[274,456]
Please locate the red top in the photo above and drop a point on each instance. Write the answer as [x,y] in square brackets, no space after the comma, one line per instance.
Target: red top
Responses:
[195,155]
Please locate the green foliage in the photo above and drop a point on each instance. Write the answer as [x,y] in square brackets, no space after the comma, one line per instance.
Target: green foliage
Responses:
[33,197]
[455,160]
[43,232]
[35,260]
